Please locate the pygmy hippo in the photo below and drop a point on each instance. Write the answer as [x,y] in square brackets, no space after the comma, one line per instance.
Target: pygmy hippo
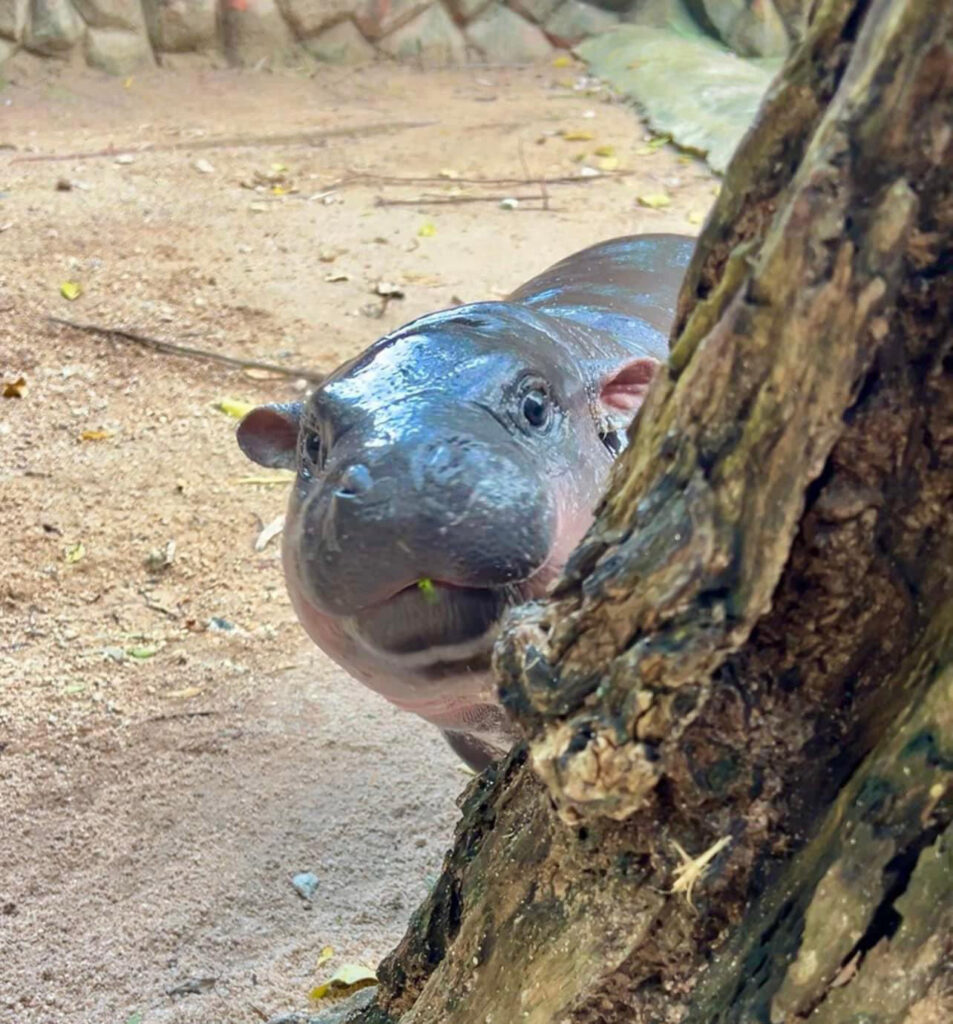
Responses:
[447,472]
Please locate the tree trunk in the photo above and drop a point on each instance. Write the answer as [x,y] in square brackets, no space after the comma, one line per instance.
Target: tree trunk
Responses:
[735,798]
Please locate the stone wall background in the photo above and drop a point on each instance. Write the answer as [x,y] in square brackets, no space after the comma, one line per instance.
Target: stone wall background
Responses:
[121,36]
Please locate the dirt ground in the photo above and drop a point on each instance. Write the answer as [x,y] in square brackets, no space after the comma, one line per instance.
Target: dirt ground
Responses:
[172,749]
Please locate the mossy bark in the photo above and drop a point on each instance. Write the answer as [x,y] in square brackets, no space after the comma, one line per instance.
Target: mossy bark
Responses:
[751,653]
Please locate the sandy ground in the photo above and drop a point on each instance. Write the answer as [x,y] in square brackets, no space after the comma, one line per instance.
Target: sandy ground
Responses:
[172,750]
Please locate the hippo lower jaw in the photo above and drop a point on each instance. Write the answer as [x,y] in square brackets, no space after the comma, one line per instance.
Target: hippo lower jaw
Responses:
[424,650]
[432,622]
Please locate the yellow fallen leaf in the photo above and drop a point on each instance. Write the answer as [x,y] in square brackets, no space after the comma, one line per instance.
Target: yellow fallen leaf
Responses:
[605,150]
[426,280]
[577,136]
[142,653]
[186,691]
[95,435]
[346,979]
[427,230]
[71,290]
[426,588]
[258,374]
[324,956]
[278,168]
[14,389]
[233,407]
[655,200]
[609,163]
[74,552]
[694,217]
[654,145]
[562,61]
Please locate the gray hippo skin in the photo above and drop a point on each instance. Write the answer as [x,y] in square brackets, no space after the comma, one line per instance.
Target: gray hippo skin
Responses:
[448,471]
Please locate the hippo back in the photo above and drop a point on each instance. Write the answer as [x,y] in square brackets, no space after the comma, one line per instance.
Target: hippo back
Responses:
[626,287]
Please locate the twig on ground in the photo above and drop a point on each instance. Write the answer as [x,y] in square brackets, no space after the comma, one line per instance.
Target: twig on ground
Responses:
[543,191]
[172,715]
[234,141]
[360,178]
[454,200]
[187,351]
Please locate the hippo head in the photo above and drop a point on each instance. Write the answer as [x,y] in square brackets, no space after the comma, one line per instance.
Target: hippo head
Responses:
[444,474]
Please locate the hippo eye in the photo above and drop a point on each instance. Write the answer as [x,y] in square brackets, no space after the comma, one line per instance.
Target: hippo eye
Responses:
[613,440]
[311,451]
[536,408]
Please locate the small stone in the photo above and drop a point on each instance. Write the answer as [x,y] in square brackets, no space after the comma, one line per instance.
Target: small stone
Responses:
[535,10]
[54,28]
[14,15]
[574,21]
[388,290]
[509,204]
[306,884]
[431,38]
[256,34]
[159,559]
[341,44]
[124,158]
[503,37]
[182,26]
[203,166]
[117,51]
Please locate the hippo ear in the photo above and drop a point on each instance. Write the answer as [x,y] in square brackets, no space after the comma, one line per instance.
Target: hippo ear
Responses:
[622,389]
[268,435]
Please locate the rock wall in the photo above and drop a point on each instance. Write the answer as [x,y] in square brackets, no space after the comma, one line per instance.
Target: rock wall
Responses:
[120,36]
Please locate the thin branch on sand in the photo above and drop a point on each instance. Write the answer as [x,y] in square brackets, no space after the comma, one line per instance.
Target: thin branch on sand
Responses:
[187,351]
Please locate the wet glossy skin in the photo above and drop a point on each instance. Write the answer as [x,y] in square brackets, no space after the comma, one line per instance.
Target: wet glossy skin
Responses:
[466,450]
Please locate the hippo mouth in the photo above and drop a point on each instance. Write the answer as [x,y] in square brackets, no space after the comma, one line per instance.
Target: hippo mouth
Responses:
[424,618]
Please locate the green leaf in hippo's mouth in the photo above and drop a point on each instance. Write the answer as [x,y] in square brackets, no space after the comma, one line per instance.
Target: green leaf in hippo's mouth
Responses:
[429,591]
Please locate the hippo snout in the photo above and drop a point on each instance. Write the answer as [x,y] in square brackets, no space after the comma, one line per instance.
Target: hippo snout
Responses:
[456,510]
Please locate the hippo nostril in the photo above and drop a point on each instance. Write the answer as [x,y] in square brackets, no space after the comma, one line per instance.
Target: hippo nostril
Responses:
[355,480]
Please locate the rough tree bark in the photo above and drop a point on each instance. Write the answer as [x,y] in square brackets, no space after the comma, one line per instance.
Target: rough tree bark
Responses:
[750,657]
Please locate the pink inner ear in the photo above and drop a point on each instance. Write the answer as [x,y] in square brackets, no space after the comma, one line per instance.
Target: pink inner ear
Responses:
[626,388]
[268,435]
